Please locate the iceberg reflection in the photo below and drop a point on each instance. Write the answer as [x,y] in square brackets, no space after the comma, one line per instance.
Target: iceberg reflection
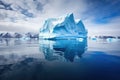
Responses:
[65,50]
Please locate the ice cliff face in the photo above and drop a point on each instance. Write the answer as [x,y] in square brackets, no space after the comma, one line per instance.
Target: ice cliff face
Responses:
[63,28]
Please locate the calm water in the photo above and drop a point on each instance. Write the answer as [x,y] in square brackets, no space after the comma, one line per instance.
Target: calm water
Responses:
[59,60]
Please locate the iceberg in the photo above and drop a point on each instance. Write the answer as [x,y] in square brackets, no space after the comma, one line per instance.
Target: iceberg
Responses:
[65,27]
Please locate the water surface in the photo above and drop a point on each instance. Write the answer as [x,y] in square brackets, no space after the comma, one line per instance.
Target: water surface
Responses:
[59,60]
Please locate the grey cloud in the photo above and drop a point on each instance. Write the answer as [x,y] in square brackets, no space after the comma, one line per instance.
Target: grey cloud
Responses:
[25,12]
[39,5]
[5,6]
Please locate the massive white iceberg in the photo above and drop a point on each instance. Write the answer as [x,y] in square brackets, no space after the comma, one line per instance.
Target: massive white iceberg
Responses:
[65,27]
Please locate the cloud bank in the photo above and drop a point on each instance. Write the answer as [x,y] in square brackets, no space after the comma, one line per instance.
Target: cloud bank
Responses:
[101,17]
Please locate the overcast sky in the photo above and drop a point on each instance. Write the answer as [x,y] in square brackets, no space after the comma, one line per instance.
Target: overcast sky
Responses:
[98,16]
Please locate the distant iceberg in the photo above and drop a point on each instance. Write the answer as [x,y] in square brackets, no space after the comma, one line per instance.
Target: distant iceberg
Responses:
[65,27]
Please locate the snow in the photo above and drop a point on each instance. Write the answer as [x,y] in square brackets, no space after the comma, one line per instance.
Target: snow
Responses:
[63,27]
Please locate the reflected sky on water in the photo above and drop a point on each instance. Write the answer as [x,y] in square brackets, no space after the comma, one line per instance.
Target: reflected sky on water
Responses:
[60,60]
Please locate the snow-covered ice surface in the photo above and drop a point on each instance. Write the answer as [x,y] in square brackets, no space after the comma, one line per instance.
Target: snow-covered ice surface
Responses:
[63,28]
[59,60]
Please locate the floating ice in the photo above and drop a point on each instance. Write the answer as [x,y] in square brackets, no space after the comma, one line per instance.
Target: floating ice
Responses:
[63,28]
